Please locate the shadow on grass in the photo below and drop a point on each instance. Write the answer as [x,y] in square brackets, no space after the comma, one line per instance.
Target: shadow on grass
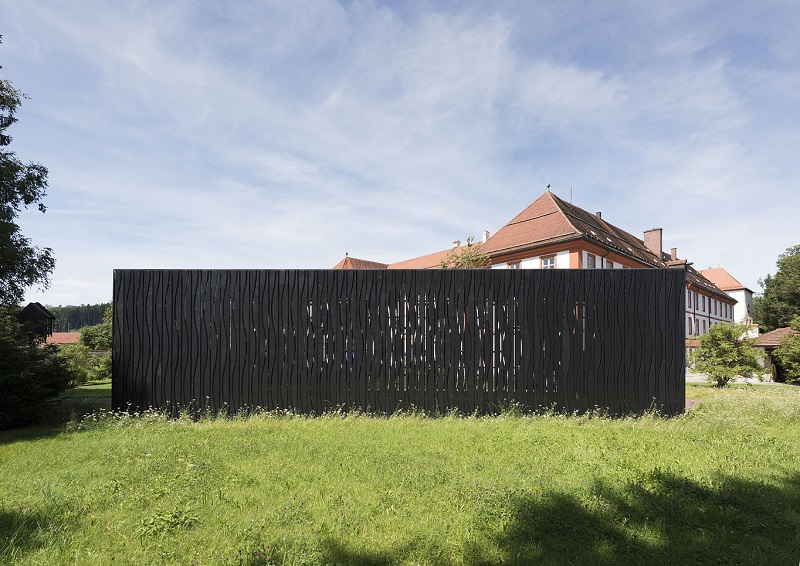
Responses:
[335,553]
[26,530]
[663,519]
[62,411]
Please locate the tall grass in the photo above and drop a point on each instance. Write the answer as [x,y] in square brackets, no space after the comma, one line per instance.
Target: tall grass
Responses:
[719,484]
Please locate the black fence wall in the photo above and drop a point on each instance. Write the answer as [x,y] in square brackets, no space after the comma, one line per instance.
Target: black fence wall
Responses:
[471,340]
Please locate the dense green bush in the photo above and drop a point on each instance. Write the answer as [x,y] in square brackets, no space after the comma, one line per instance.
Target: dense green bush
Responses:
[98,337]
[30,376]
[83,364]
[725,352]
[788,354]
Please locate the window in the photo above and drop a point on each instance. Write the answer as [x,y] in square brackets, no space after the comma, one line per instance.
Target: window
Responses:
[610,264]
[715,306]
[690,326]
[696,327]
[591,261]
[549,262]
[704,327]
[704,304]
[514,265]
[695,300]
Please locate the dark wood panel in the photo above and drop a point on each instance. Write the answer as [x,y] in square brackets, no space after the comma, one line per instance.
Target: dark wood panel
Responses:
[381,341]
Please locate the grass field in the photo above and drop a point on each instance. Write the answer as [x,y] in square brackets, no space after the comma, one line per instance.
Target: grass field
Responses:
[101,389]
[719,485]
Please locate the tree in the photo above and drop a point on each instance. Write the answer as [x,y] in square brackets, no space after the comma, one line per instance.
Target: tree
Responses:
[29,375]
[74,317]
[788,354]
[465,257]
[780,301]
[98,337]
[725,352]
[22,265]
[84,365]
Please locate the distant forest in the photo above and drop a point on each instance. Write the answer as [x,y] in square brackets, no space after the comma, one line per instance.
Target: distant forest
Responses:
[71,318]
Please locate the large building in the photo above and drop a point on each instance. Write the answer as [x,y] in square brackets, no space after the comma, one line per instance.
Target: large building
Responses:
[553,234]
[743,310]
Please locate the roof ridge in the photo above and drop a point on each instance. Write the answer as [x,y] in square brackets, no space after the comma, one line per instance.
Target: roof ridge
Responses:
[558,201]
[513,222]
[571,214]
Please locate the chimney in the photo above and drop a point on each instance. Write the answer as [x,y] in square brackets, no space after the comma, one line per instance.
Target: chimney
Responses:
[485,236]
[456,244]
[673,254]
[599,215]
[652,241]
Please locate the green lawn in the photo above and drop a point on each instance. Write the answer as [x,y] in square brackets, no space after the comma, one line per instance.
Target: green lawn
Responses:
[97,389]
[720,484]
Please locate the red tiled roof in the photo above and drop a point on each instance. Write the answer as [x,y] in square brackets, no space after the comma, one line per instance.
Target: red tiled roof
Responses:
[774,338]
[355,263]
[722,279]
[429,261]
[59,338]
[549,220]
[542,222]
[695,278]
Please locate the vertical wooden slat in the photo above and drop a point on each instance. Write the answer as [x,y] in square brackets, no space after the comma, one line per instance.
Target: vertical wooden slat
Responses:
[440,339]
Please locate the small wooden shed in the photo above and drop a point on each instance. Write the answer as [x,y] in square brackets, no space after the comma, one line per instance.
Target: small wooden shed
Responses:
[37,319]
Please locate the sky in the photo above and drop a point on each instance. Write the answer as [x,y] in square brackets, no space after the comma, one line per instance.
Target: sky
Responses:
[285,134]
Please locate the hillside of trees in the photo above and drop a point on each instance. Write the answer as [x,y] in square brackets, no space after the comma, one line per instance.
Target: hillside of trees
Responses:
[71,318]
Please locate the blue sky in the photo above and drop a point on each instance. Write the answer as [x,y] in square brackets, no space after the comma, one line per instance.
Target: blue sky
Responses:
[272,134]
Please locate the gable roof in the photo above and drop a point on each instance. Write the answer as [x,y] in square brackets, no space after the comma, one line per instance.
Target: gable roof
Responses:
[773,338]
[722,279]
[34,312]
[355,263]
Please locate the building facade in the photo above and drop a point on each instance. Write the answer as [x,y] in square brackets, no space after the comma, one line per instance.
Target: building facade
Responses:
[554,234]
[743,309]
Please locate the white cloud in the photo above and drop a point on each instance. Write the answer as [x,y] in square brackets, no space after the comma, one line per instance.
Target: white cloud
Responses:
[279,134]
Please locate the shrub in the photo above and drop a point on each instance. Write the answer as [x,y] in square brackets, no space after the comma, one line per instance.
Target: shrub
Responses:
[30,376]
[82,364]
[725,352]
[98,337]
[788,354]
